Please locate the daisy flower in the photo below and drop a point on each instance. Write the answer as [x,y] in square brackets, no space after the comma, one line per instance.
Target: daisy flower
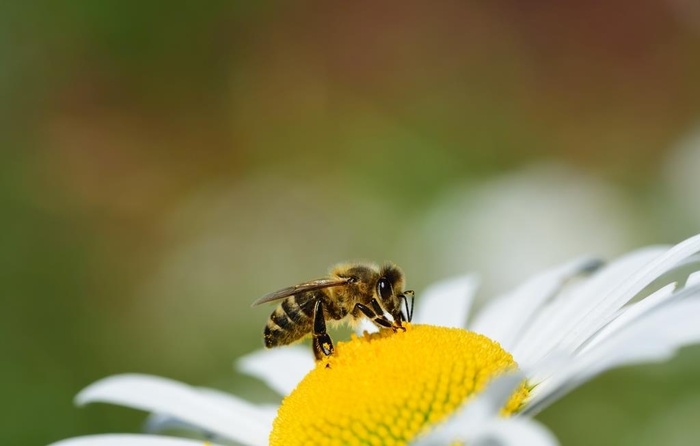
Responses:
[448,376]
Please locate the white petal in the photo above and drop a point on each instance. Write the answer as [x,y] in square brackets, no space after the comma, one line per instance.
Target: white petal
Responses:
[653,337]
[232,403]
[280,368]
[127,440]
[602,308]
[363,325]
[157,423]
[504,318]
[630,313]
[514,431]
[235,419]
[447,302]
[545,332]
[693,279]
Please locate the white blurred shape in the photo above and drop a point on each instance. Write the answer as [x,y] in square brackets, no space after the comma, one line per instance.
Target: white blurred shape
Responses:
[682,179]
[447,303]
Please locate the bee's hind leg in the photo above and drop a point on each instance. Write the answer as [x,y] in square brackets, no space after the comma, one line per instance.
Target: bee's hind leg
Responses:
[322,343]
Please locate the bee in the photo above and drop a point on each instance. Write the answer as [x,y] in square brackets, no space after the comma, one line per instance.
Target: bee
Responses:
[350,292]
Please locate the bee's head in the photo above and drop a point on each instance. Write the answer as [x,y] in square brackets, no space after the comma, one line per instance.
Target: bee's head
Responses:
[385,284]
[390,282]
[389,291]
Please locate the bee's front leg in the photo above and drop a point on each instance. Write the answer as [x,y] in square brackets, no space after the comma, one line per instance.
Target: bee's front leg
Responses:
[376,315]
[322,343]
[408,316]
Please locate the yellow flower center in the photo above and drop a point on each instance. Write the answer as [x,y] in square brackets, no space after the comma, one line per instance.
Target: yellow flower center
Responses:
[387,388]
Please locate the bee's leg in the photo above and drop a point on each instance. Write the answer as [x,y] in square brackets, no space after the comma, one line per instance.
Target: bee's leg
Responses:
[409,308]
[376,315]
[322,343]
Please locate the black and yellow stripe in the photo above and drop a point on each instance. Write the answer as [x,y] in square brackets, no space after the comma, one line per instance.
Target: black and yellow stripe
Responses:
[290,321]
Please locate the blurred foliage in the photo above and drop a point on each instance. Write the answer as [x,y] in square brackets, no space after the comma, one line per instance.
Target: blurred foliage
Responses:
[165,164]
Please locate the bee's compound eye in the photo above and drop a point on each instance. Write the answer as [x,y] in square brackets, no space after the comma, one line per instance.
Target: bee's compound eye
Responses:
[384,288]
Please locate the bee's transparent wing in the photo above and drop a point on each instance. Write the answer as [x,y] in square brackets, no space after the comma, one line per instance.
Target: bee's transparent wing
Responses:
[301,288]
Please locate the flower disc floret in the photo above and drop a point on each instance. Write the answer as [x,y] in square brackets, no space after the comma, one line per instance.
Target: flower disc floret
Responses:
[387,388]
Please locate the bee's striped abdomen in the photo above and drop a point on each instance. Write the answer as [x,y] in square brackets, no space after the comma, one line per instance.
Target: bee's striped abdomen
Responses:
[290,321]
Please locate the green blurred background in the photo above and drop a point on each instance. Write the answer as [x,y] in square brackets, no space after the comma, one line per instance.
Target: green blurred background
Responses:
[164,165]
